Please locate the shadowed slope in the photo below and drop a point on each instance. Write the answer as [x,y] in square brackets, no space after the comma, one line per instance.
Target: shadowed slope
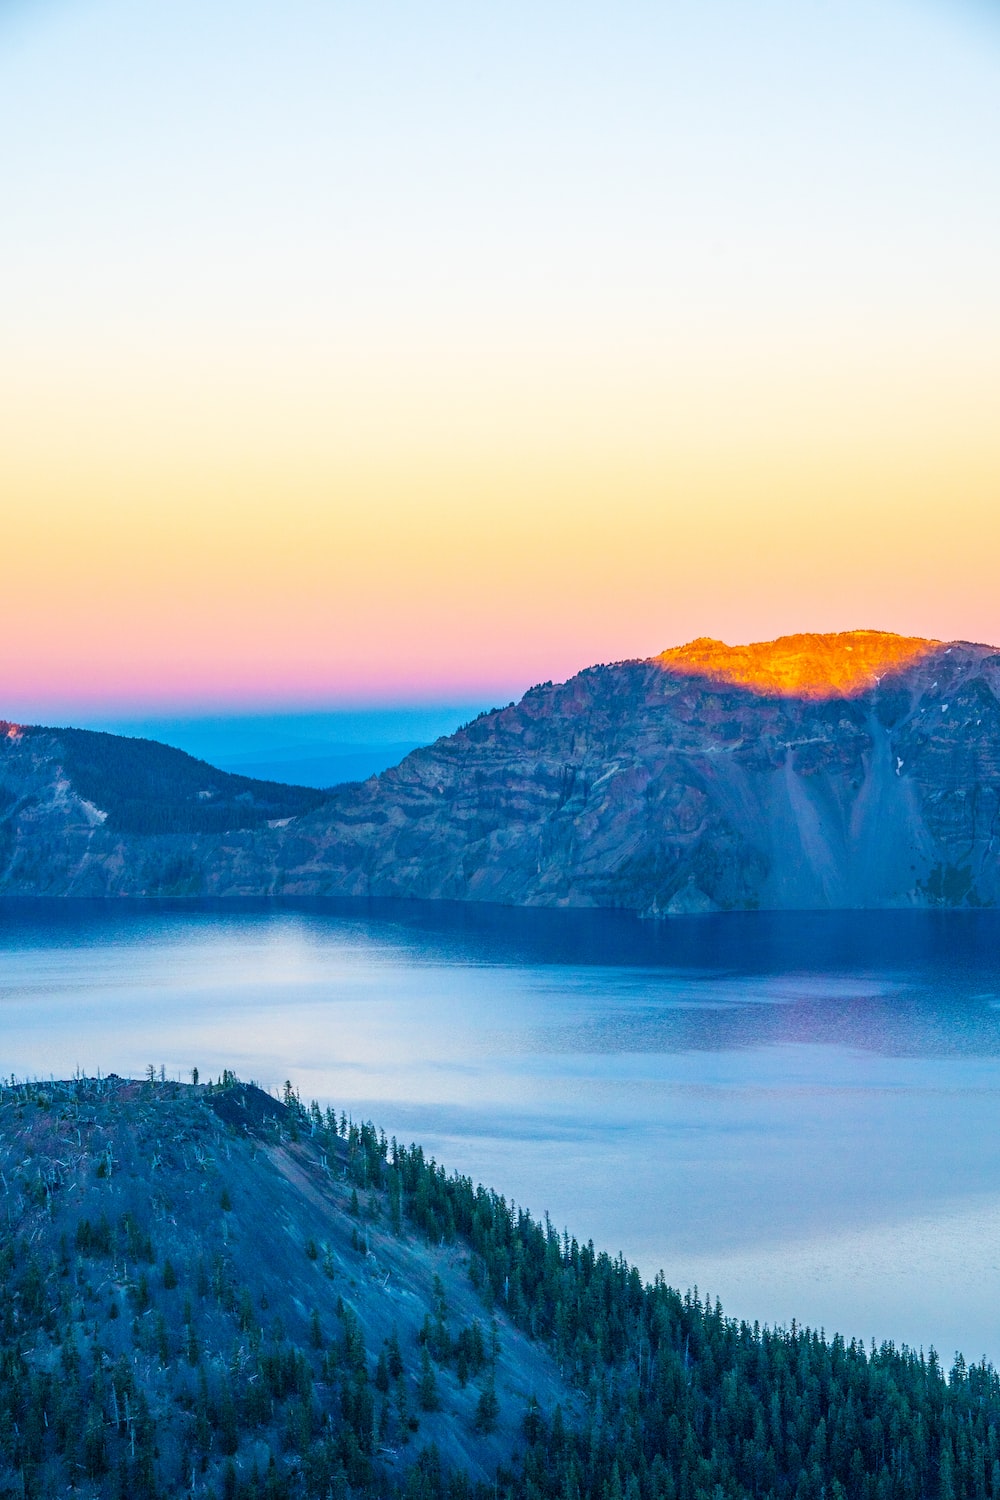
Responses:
[84,812]
[204,1292]
[661,786]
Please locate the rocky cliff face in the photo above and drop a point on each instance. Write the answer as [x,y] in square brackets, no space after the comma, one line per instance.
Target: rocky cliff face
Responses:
[854,770]
[695,782]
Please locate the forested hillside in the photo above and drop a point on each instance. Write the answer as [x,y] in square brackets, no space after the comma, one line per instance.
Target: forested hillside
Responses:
[85,813]
[144,787]
[203,1291]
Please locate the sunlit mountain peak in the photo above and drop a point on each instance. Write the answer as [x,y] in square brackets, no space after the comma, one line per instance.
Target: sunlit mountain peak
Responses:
[841,664]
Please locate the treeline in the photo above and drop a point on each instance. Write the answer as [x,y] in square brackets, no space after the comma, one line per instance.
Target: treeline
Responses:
[682,1402]
[149,788]
[130,1369]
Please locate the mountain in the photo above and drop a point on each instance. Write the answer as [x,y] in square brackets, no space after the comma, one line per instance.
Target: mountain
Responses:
[206,1292]
[860,769]
[851,770]
[88,813]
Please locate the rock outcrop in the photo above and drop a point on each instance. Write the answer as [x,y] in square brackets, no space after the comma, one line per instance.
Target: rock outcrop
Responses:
[851,770]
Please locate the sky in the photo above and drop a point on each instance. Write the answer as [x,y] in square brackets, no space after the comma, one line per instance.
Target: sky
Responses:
[355,355]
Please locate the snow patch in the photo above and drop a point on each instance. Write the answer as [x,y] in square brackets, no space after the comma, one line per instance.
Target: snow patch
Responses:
[606,777]
[60,791]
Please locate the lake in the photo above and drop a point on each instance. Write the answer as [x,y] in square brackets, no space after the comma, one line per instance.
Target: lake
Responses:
[799,1113]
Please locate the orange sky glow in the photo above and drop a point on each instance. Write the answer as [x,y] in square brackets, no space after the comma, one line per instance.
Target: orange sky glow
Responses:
[311,395]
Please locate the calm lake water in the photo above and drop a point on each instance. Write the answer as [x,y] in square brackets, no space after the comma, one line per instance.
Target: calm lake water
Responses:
[798,1113]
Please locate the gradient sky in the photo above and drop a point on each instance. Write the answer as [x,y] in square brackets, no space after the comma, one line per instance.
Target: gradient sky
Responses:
[356,353]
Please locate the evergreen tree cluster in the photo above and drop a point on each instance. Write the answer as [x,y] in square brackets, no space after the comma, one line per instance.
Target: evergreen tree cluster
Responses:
[148,788]
[684,1403]
[135,1361]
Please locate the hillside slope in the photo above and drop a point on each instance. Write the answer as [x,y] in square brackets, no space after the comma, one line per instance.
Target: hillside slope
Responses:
[194,1279]
[204,1292]
[87,813]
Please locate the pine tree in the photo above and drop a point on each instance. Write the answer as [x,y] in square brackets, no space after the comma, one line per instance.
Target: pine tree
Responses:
[487,1409]
[427,1390]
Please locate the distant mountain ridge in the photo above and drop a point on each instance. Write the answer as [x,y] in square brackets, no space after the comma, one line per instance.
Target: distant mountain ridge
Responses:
[859,769]
[84,812]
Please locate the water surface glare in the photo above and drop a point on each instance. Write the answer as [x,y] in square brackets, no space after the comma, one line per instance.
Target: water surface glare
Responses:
[797,1113]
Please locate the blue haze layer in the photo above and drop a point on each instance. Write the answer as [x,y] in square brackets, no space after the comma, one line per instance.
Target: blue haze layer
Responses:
[304,749]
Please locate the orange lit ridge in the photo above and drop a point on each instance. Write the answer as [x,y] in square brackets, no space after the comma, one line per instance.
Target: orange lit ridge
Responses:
[9,731]
[842,665]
